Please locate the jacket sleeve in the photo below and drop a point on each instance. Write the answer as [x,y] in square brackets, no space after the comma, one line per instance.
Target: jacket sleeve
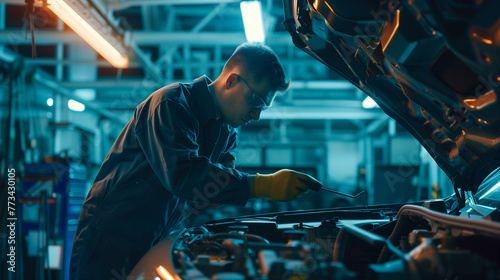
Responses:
[168,139]
[228,157]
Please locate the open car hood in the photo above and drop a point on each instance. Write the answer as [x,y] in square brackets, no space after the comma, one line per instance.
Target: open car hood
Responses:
[441,84]
[433,66]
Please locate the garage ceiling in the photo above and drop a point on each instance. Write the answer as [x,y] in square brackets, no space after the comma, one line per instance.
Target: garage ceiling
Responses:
[170,41]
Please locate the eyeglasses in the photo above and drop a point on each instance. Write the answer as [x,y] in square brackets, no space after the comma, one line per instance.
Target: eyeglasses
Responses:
[254,101]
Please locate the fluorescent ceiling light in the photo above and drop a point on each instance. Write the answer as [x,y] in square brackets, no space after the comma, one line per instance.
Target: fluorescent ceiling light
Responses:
[88,33]
[251,11]
[50,102]
[369,103]
[74,105]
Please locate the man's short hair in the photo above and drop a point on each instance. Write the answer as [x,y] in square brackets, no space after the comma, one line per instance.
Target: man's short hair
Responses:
[261,62]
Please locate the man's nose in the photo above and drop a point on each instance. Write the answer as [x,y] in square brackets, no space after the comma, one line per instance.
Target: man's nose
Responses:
[255,114]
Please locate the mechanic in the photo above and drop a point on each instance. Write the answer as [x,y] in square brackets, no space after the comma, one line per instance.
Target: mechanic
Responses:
[176,152]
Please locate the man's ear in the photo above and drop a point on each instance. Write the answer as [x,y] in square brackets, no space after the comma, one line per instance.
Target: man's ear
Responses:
[231,80]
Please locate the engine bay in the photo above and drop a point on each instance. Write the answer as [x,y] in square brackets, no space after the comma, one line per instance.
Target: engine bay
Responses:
[419,241]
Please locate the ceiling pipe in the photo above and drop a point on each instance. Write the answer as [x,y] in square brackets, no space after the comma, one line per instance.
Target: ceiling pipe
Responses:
[143,38]
[304,62]
[119,5]
[151,68]
[375,126]
[320,85]
[318,113]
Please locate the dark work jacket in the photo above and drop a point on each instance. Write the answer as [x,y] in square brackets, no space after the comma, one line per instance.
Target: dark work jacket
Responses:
[171,157]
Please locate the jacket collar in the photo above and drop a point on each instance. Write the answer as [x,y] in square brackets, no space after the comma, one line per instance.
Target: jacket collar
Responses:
[204,102]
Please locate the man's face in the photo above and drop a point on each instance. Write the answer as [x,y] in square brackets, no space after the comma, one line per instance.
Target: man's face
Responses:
[246,100]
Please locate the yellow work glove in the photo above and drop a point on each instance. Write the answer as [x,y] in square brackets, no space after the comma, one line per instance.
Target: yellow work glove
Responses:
[284,185]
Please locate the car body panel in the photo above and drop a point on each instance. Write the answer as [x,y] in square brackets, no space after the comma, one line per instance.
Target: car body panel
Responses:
[441,84]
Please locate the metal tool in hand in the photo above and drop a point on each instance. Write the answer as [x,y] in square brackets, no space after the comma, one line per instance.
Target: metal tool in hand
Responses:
[343,194]
[316,186]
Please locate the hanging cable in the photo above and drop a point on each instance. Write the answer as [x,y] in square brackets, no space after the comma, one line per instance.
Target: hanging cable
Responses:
[22,114]
[30,17]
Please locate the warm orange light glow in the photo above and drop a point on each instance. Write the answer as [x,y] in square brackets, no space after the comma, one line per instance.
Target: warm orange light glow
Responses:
[482,101]
[393,31]
[162,272]
[315,4]
[88,33]
[484,40]
[328,5]
[485,141]
[487,41]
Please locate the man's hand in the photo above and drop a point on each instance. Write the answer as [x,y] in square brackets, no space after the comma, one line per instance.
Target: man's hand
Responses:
[284,185]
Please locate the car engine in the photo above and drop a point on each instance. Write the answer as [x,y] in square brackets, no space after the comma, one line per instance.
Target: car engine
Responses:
[411,241]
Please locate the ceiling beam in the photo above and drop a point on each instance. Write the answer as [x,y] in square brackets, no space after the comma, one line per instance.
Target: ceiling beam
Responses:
[322,85]
[127,83]
[375,126]
[16,37]
[302,62]
[118,5]
[204,38]
[319,113]
[208,18]
[171,50]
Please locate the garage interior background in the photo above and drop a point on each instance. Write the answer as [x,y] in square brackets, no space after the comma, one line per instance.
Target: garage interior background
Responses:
[62,111]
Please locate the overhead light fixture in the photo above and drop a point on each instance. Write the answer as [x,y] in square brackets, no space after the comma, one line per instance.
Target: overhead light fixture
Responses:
[76,106]
[88,33]
[50,102]
[251,12]
[369,103]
